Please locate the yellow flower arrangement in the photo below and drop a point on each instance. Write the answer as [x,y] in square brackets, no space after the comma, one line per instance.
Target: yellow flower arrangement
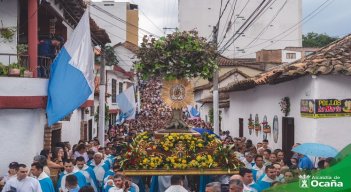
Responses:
[178,151]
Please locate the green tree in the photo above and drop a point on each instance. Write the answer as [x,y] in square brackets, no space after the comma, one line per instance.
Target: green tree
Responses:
[110,57]
[312,39]
[176,56]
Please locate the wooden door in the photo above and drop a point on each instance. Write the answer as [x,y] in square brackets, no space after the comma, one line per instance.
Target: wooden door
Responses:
[90,128]
[241,127]
[288,135]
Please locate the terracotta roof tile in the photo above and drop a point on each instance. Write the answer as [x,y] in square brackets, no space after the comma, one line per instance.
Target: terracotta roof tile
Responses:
[334,58]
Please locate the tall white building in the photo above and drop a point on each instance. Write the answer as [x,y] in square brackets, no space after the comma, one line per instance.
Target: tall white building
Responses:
[267,32]
[119,19]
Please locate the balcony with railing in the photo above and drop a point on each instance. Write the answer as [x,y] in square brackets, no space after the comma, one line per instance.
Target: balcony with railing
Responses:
[14,65]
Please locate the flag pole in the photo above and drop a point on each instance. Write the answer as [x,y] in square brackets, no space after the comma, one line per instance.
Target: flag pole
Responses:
[101,125]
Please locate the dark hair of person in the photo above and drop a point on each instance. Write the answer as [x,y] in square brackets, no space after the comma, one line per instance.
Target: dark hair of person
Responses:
[276,151]
[331,161]
[80,147]
[243,171]
[38,165]
[119,176]
[68,161]
[45,152]
[72,180]
[268,167]
[268,151]
[80,158]
[86,189]
[22,165]
[265,140]
[176,180]
[258,156]
[63,146]
[321,164]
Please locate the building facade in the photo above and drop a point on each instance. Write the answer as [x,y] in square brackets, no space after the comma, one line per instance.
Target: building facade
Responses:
[119,19]
[270,29]
[23,97]
[318,90]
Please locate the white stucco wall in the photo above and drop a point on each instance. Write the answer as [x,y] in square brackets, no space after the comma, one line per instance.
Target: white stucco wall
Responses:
[286,60]
[8,17]
[264,100]
[202,15]
[125,57]
[12,86]
[333,131]
[114,28]
[22,135]
[71,129]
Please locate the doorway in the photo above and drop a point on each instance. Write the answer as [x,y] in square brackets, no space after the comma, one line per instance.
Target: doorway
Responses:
[90,129]
[241,127]
[288,135]
[55,137]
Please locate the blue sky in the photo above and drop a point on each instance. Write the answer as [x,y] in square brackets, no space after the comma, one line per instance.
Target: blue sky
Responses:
[333,20]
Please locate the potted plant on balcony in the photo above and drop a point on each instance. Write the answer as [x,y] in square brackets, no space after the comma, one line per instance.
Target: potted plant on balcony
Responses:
[22,51]
[14,70]
[4,70]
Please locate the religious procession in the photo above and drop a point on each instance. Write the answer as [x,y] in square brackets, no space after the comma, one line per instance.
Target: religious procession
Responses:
[239,96]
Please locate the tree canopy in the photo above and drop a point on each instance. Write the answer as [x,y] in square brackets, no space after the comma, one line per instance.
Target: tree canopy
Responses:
[176,56]
[317,40]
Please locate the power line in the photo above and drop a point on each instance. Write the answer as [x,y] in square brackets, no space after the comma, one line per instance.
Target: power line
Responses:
[121,20]
[304,20]
[233,23]
[268,25]
[114,25]
[229,23]
[148,18]
[251,19]
[309,16]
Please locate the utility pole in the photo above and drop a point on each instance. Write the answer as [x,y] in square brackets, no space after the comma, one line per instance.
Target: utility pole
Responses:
[102,97]
[215,87]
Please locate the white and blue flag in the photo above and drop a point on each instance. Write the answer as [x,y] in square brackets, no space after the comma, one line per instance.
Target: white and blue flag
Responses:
[193,112]
[71,77]
[127,105]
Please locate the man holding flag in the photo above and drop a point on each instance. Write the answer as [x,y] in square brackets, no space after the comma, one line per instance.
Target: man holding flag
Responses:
[71,79]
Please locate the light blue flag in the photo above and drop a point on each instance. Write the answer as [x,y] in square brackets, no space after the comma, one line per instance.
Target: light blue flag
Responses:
[71,78]
[127,105]
[193,112]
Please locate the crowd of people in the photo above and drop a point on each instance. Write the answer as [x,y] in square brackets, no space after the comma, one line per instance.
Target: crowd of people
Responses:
[87,166]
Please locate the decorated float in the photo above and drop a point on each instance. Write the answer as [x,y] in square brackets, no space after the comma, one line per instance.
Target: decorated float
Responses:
[176,149]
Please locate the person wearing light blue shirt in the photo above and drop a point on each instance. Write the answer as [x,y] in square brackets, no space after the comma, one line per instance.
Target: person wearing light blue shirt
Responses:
[44,180]
[305,162]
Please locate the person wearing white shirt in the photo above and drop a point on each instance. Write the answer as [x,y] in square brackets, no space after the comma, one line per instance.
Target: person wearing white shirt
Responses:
[248,161]
[22,183]
[119,184]
[176,184]
[246,175]
[12,173]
